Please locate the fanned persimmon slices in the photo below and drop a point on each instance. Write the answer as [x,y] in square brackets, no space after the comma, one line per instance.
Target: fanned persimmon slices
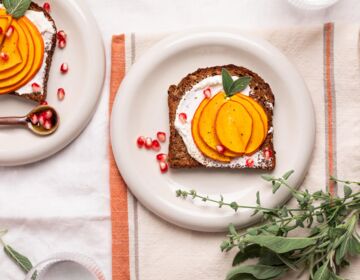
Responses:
[26,50]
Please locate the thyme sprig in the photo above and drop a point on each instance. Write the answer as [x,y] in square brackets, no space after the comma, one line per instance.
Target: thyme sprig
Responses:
[331,235]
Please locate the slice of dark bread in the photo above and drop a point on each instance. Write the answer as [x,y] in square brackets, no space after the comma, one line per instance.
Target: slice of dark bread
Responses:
[49,49]
[260,91]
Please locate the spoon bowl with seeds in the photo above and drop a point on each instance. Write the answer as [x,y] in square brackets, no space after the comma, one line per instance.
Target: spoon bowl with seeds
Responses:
[42,120]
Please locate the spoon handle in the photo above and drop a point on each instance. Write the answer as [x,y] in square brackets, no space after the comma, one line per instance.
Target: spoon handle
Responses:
[12,120]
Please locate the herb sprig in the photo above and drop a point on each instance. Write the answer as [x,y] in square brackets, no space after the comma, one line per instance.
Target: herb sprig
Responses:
[232,87]
[331,236]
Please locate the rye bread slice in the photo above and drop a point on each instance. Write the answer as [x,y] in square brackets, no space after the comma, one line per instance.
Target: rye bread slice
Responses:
[49,49]
[260,91]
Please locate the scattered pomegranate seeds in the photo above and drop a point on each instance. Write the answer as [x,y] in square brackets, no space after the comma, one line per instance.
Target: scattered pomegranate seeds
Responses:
[220,149]
[64,68]
[47,7]
[207,92]
[41,120]
[61,35]
[48,114]
[10,31]
[62,44]
[34,119]
[4,56]
[249,162]
[36,87]
[182,117]
[47,125]
[140,141]
[267,153]
[161,157]
[148,143]
[43,103]
[61,94]
[155,145]
[163,166]
[161,136]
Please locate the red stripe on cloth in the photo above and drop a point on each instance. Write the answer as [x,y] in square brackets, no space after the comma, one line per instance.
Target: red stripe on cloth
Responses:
[118,189]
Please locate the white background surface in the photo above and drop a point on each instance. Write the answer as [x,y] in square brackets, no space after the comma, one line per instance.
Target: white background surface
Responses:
[61,205]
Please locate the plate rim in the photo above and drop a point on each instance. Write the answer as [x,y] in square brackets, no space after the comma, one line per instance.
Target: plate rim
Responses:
[155,49]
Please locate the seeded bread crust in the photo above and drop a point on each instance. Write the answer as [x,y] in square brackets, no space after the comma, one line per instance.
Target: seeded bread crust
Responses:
[50,52]
[260,91]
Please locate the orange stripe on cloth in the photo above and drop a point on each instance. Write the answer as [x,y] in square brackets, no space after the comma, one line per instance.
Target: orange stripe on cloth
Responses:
[330,104]
[118,189]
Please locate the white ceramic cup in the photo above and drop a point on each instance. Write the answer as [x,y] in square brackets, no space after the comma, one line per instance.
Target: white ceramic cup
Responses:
[69,266]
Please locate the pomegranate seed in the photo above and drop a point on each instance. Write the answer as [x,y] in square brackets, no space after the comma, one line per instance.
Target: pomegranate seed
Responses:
[61,35]
[47,7]
[155,145]
[267,153]
[64,68]
[47,125]
[148,143]
[163,166]
[34,119]
[4,56]
[36,87]
[41,119]
[182,117]
[48,114]
[1,31]
[61,94]
[161,136]
[220,149]
[207,92]
[62,44]
[43,103]
[140,141]
[161,157]
[249,162]
[10,31]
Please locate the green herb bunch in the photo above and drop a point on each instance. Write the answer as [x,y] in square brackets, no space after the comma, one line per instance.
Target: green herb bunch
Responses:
[330,239]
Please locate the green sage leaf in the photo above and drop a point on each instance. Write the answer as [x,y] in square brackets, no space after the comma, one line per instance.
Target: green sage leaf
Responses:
[226,80]
[22,261]
[239,85]
[323,273]
[280,244]
[258,271]
[288,174]
[268,178]
[16,8]
[347,191]
[251,251]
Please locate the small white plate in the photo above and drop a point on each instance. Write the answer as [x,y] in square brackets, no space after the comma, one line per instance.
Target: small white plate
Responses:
[141,109]
[86,58]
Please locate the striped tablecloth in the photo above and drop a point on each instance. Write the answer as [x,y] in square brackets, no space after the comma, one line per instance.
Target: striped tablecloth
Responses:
[146,247]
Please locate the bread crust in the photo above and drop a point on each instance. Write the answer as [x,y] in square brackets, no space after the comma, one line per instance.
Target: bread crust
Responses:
[50,53]
[178,156]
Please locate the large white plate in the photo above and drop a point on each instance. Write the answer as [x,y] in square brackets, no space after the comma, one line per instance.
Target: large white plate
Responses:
[83,83]
[141,109]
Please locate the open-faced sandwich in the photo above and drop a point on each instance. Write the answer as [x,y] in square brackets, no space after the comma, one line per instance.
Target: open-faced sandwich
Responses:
[221,117]
[27,44]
